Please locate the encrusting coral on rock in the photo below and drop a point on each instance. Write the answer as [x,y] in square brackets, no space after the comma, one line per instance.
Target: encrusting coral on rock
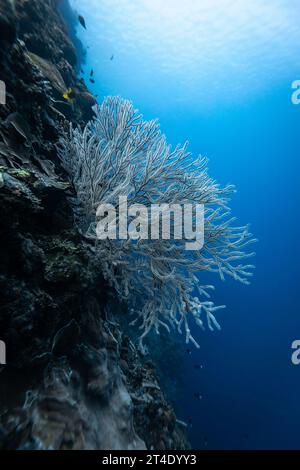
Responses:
[73,379]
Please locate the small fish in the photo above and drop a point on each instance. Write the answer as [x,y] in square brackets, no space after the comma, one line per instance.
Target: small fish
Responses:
[198,396]
[92,80]
[112,57]
[68,94]
[246,436]
[189,351]
[81,71]
[92,73]
[82,21]
[198,367]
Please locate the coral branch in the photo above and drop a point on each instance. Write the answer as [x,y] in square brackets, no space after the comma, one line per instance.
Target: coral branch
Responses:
[120,154]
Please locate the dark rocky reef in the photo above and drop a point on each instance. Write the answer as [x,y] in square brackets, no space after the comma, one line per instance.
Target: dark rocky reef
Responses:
[73,379]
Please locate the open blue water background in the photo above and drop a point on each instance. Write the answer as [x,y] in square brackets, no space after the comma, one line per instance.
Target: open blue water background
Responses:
[219,74]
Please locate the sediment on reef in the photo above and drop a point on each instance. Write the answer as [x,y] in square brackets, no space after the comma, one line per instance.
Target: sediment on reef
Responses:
[73,379]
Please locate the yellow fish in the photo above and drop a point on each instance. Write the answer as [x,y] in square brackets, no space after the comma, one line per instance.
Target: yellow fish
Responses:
[68,94]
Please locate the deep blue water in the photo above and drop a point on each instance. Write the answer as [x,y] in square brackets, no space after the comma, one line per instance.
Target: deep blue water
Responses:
[219,74]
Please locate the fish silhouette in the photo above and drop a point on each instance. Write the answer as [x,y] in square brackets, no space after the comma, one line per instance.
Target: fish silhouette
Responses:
[82,21]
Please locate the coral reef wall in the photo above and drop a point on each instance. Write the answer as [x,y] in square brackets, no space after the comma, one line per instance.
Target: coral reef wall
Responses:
[73,379]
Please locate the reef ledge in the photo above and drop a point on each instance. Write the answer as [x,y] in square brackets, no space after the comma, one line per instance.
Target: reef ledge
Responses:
[73,378]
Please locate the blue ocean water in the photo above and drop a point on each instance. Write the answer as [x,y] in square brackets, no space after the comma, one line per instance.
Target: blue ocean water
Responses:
[218,73]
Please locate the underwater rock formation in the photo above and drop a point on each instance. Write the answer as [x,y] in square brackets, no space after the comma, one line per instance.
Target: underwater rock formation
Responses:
[73,379]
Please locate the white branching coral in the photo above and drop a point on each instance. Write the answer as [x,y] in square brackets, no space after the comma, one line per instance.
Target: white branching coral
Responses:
[120,154]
